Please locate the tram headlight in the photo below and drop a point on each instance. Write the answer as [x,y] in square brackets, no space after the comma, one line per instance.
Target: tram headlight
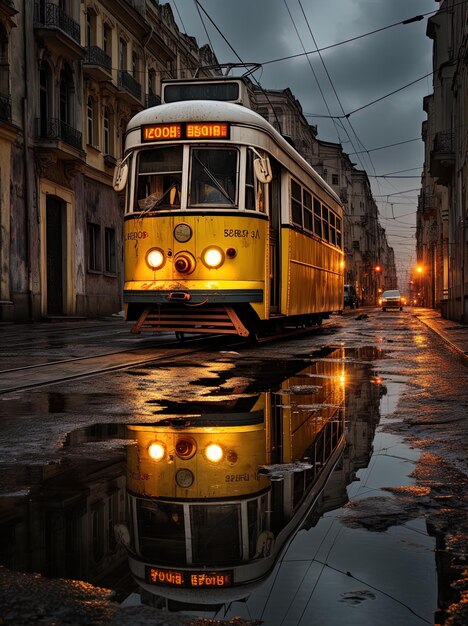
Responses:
[157,451]
[213,257]
[155,258]
[214,453]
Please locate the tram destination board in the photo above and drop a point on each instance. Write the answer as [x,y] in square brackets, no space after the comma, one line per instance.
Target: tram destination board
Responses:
[184,131]
[179,578]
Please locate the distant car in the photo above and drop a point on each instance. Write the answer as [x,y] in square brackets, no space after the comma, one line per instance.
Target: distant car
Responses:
[391,299]
[350,297]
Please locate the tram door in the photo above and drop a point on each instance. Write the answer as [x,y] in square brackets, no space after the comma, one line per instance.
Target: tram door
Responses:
[275,250]
[54,244]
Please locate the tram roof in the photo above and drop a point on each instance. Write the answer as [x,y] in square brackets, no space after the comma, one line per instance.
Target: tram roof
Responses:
[213,111]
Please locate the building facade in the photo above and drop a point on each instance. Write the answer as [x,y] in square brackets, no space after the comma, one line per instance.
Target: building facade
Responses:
[72,74]
[442,247]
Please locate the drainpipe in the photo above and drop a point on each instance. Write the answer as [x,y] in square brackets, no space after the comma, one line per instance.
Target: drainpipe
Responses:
[27,169]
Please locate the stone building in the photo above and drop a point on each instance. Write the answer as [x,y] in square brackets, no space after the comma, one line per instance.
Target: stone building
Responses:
[442,247]
[72,74]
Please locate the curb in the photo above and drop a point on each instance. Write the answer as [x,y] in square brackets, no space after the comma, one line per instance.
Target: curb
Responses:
[435,330]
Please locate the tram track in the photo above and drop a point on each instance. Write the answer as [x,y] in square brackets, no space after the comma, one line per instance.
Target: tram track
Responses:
[58,371]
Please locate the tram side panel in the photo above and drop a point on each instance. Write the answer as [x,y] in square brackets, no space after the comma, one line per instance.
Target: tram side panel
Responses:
[313,277]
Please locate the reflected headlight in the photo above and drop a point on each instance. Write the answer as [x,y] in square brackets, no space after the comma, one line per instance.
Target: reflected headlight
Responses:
[213,257]
[157,451]
[155,258]
[214,453]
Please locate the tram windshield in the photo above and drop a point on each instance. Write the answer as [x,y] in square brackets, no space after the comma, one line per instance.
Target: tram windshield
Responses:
[159,179]
[213,176]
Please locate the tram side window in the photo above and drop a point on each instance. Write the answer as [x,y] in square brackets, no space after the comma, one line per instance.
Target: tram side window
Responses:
[317,218]
[325,225]
[296,203]
[338,232]
[213,178]
[159,179]
[332,228]
[308,210]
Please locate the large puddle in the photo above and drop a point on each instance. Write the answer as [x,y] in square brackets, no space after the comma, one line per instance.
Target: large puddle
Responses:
[277,497]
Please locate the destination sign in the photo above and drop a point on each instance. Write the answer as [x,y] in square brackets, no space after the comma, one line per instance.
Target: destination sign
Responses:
[187,130]
[178,578]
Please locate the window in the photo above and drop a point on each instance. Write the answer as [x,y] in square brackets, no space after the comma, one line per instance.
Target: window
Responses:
[90,116]
[325,224]
[296,203]
[213,179]
[135,65]
[334,179]
[106,131]
[4,62]
[308,220]
[122,54]
[107,39]
[90,25]
[317,218]
[94,247]
[159,179]
[109,251]
[44,91]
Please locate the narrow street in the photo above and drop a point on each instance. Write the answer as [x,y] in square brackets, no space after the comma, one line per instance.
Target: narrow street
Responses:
[378,537]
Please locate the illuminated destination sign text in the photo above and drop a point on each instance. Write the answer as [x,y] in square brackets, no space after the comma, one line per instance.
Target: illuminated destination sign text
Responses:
[177,578]
[189,130]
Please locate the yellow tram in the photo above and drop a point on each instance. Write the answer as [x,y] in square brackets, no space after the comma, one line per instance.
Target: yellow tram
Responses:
[227,228]
[213,499]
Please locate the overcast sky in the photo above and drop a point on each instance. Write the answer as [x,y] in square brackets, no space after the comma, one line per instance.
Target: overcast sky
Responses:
[356,74]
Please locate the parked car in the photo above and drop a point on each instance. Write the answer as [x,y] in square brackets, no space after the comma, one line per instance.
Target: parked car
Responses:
[350,297]
[391,299]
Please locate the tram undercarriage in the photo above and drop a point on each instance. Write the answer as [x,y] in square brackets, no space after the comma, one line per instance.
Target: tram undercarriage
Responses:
[218,319]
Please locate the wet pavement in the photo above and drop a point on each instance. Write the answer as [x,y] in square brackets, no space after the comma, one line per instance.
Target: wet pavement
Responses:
[381,542]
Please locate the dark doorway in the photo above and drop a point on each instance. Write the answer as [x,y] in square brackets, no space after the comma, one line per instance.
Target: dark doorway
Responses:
[54,244]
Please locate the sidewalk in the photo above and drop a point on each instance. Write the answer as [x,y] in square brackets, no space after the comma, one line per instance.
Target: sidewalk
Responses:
[454,333]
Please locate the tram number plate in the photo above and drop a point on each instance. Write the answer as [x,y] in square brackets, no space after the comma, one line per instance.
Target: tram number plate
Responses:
[177,578]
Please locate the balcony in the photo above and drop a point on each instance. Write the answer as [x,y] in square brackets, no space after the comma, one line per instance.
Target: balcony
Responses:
[61,32]
[5,108]
[97,64]
[129,86]
[55,130]
[152,100]
[442,158]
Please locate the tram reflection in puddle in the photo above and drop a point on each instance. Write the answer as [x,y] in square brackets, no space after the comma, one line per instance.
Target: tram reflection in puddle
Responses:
[215,498]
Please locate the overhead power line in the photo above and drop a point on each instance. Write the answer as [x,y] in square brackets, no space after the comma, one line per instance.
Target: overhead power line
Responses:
[410,20]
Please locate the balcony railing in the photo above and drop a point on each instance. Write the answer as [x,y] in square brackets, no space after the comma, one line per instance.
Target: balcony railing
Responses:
[443,142]
[52,128]
[97,56]
[152,100]
[50,15]
[5,108]
[126,81]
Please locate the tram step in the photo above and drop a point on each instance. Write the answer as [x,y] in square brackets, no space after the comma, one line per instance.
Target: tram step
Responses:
[223,320]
